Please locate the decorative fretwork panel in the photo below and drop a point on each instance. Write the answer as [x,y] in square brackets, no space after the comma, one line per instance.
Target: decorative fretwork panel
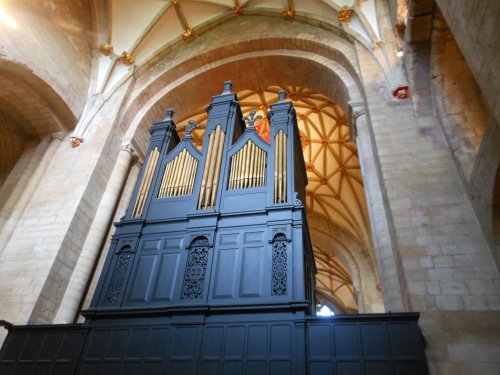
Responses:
[178,177]
[280,167]
[118,278]
[211,172]
[279,273]
[196,270]
[248,167]
[147,178]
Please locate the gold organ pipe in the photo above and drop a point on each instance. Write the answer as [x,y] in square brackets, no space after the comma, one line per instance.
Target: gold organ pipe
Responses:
[178,161]
[211,169]
[283,168]
[156,155]
[142,190]
[241,166]
[258,157]
[240,169]
[187,188]
[231,173]
[252,162]
[164,180]
[237,173]
[276,168]
[164,177]
[171,179]
[247,172]
[241,174]
[255,157]
[205,171]
[280,167]
[249,165]
[251,168]
[145,183]
[245,168]
[178,177]
[285,148]
[186,174]
[263,174]
[259,166]
[217,169]
[182,172]
[237,170]
[262,169]
[168,177]
[280,170]
[193,175]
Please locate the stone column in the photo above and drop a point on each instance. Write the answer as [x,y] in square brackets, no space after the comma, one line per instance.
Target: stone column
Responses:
[380,218]
[125,199]
[98,230]
[27,185]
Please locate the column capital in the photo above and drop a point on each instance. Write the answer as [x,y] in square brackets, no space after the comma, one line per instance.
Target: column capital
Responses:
[356,109]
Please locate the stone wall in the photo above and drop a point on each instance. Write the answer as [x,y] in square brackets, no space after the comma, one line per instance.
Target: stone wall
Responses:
[53,40]
[44,247]
[448,271]
[475,24]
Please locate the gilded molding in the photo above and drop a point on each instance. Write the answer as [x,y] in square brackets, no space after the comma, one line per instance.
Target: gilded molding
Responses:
[75,141]
[188,33]
[127,58]
[106,49]
[344,14]
[289,12]
[238,9]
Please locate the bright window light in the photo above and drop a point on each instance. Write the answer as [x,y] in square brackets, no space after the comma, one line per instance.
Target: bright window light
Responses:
[6,19]
[325,311]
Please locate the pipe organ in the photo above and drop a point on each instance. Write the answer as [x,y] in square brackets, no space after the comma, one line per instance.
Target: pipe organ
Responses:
[237,197]
[211,270]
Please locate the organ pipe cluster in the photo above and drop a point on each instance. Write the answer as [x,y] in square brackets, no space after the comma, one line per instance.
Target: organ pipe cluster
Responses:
[210,179]
[248,167]
[178,178]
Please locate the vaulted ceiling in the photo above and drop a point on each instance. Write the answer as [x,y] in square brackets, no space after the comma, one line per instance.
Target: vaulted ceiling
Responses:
[138,30]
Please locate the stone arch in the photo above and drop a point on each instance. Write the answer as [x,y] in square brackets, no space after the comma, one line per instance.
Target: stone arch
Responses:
[358,260]
[160,82]
[31,102]
[328,82]
[29,109]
